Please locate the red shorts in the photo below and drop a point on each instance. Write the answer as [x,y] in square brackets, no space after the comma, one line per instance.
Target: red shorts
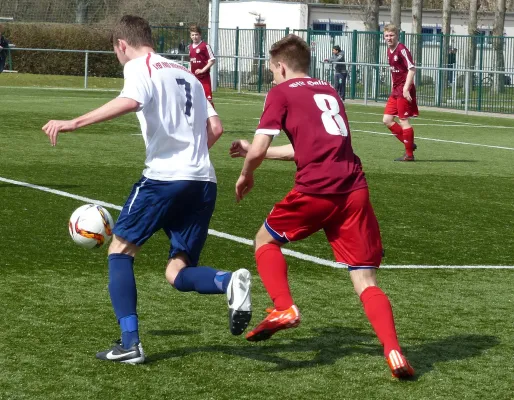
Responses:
[400,107]
[206,83]
[348,220]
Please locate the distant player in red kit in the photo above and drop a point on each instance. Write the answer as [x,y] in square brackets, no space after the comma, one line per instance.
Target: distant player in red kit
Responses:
[330,193]
[201,59]
[402,101]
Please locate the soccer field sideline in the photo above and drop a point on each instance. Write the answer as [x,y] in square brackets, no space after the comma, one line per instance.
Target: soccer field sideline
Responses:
[301,256]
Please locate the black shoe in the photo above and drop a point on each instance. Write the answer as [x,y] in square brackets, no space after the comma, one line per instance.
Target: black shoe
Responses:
[117,353]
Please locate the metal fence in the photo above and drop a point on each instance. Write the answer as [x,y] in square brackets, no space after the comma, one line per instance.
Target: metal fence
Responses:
[479,76]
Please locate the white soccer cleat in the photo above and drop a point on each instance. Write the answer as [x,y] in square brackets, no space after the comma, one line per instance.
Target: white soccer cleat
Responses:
[239,301]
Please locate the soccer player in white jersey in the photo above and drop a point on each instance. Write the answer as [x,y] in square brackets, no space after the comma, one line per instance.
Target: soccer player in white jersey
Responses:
[177,191]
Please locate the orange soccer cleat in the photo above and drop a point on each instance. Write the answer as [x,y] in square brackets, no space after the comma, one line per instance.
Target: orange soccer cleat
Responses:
[399,365]
[274,322]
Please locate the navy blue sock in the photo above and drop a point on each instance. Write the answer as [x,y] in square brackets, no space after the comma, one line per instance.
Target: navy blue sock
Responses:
[204,280]
[122,288]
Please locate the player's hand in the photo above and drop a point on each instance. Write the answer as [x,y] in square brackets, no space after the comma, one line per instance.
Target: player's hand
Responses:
[53,128]
[407,95]
[198,72]
[239,148]
[243,186]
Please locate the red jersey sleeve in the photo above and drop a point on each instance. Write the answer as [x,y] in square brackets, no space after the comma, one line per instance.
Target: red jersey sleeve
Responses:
[407,56]
[210,54]
[275,111]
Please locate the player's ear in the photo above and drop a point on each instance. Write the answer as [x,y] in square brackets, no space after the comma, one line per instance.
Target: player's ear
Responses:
[122,45]
[282,69]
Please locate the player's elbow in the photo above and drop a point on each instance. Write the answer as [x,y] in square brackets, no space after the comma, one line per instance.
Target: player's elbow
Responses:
[214,130]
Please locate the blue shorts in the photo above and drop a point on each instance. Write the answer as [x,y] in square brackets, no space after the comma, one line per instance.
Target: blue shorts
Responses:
[183,209]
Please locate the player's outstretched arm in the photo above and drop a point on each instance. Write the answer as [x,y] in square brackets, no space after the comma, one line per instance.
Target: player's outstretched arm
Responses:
[239,148]
[254,158]
[115,108]
[214,130]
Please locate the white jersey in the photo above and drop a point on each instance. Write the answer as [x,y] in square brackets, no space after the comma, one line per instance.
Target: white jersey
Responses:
[173,116]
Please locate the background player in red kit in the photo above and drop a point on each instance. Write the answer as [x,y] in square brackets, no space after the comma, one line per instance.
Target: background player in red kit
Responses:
[201,59]
[330,193]
[402,101]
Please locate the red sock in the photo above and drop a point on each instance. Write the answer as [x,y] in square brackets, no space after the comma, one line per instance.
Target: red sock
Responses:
[408,139]
[397,131]
[379,312]
[272,268]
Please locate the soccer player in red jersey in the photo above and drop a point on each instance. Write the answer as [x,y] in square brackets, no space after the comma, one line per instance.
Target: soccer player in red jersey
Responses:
[330,193]
[201,59]
[402,101]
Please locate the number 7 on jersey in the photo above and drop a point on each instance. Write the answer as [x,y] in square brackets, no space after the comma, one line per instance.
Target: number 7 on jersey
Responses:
[189,102]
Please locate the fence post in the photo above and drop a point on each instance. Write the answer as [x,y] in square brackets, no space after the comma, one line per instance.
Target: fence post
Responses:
[261,49]
[9,59]
[161,43]
[366,85]
[377,61]
[441,84]
[236,61]
[466,93]
[480,75]
[287,31]
[354,60]
[86,62]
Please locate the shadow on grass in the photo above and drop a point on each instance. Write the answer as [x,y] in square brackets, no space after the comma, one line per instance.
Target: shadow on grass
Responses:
[330,344]
[458,347]
[174,332]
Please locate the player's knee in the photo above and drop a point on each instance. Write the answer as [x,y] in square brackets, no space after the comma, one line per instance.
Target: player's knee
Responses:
[173,268]
[362,279]
[121,246]
[388,120]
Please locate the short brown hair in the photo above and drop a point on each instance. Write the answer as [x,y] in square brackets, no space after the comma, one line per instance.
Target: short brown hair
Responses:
[392,28]
[134,30]
[292,51]
[196,29]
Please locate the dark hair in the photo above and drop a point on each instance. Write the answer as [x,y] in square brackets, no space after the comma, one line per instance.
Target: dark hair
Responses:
[134,30]
[292,51]
[337,48]
[195,28]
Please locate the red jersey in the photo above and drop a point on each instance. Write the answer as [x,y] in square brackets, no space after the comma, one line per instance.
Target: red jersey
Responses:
[199,55]
[313,117]
[400,61]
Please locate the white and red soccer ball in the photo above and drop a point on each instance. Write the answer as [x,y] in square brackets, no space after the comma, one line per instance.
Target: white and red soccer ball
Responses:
[91,226]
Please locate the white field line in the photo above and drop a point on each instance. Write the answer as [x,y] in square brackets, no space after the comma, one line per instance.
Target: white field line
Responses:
[455,124]
[69,89]
[296,254]
[439,120]
[441,140]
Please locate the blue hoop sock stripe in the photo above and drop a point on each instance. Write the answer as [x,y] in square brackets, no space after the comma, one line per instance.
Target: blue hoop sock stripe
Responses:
[123,292]
[203,280]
